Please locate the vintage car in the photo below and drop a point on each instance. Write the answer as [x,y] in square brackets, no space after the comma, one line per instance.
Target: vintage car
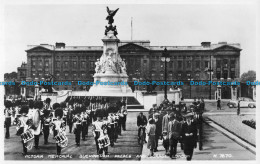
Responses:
[244,102]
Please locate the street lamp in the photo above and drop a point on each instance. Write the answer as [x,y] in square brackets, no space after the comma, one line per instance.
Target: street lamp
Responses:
[190,79]
[210,70]
[165,58]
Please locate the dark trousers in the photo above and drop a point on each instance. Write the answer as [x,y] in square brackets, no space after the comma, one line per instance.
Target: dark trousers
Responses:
[24,148]
[46,132]
[119,126]
[173,147]
[77,134]
[70,123]
[58,149]
[84,130]
[124,122]
[166,144]
[115,132]
[111,134]
[7,126]
[188,149]
[156,141]
[36,141]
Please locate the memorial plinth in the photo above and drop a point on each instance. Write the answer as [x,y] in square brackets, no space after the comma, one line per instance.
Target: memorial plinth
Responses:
[110,69]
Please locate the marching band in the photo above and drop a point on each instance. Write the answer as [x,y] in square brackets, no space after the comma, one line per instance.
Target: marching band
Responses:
[36,118]
[172,123]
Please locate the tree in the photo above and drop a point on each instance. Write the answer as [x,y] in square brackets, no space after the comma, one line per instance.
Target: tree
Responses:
[248,76]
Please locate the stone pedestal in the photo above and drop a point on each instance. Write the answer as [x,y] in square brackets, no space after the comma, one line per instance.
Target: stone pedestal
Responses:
[110,69]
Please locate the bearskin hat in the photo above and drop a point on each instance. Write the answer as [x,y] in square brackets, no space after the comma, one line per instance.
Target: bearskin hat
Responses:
[110,109]
[46,112]
[79,101]
[63,104]
[17,103]
[55,106]
[105,113]
[71,102]
[77,110]
[38,104]
[31,104]
[48,101]
[8,104]
[24,109]
[99,113]
[58,112]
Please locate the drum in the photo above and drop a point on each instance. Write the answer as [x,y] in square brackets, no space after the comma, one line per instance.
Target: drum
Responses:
[61,139]
[27,136]
[36,118]
[103,141]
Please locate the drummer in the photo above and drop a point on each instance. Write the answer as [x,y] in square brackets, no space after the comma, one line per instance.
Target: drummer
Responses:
[23,124]
[34,115]
[59,127]
[98,131]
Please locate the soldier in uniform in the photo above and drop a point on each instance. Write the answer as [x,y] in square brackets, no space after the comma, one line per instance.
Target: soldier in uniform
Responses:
[23,125]
[70,116]
[34,115]
[99,129]
[46,125]
[189,135]
[8,114]
[111,127]
[59,126]
[124,113]
[77,120]
[85,120]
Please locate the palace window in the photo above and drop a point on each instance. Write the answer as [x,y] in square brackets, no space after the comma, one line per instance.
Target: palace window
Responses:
[180,64]
[66,64]
[188,64]
[74,64]
[198,64]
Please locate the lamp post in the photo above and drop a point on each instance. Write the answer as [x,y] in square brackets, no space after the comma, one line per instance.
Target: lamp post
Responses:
[190,79]
[210,70]
[165,58]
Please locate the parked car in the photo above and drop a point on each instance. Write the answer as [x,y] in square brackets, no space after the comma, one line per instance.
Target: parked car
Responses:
[244,102]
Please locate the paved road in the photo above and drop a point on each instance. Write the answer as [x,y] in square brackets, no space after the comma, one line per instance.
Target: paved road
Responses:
[126,144]
[216,146]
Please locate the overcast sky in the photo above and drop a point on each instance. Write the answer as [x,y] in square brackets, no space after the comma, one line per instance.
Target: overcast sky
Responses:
[163,25]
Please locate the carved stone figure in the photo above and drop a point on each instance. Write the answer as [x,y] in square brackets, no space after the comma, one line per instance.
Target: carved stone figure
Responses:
[111,14]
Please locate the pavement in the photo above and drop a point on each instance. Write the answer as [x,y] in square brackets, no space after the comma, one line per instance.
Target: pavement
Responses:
[126,148]
[216,146]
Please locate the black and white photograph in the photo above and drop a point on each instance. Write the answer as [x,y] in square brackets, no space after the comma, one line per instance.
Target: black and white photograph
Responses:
[128,81]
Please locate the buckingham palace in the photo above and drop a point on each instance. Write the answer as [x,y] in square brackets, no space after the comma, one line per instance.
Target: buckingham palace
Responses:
[215,62]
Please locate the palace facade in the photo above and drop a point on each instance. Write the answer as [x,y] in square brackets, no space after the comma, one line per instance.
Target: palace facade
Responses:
[143,62]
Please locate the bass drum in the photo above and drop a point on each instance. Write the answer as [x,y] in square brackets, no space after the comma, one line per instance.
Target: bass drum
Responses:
[36,118]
